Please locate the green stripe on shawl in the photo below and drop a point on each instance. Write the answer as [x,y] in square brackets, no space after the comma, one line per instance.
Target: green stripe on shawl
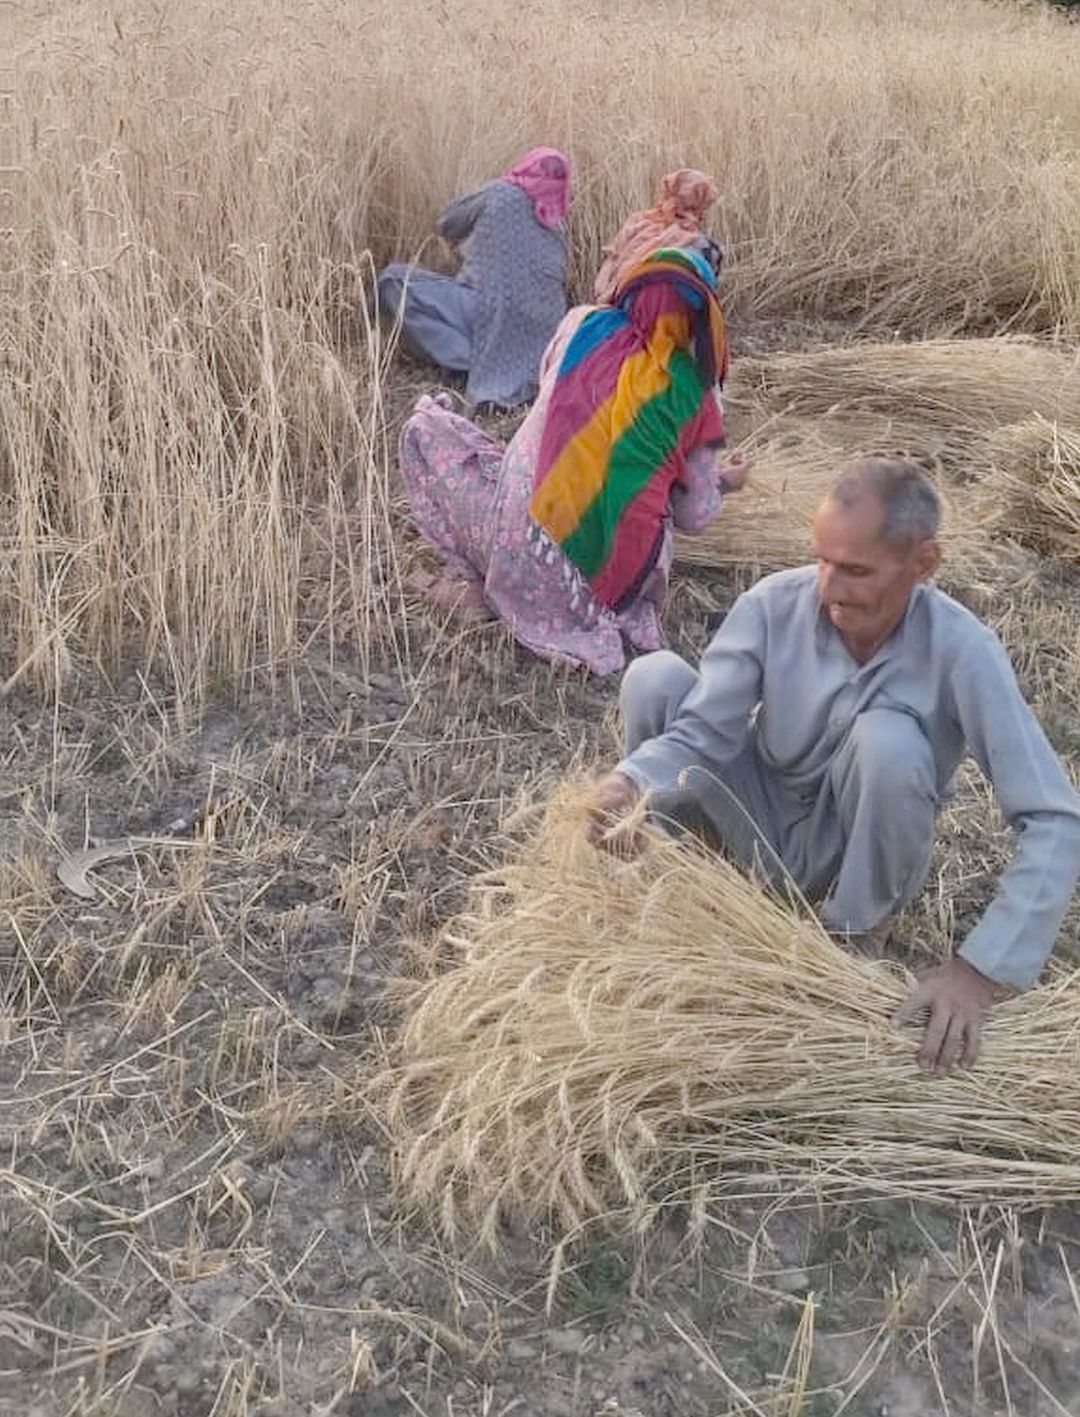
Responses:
[645,446]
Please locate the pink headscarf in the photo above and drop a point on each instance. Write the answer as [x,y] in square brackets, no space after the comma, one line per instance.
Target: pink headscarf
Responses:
[543,174]
[685,197]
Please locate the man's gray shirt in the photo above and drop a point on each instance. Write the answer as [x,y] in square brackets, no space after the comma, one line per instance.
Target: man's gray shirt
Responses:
[778,675]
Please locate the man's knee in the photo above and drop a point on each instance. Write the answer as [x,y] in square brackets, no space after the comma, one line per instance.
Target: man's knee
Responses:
[890,753]
[652,689]
[662,676]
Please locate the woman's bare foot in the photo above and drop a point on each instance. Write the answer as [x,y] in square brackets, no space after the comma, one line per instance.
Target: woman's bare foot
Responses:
[452,593]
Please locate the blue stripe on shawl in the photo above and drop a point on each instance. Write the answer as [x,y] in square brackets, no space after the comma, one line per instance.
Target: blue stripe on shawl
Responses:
[593,332]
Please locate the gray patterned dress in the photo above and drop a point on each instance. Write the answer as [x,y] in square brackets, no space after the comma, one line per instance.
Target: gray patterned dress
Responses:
[493,320]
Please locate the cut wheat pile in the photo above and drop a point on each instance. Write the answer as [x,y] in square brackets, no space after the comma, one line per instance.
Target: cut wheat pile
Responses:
[1039,502]
[944,395]
[618,1036]
[946,402]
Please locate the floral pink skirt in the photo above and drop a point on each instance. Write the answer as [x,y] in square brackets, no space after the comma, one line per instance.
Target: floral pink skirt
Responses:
[470,499]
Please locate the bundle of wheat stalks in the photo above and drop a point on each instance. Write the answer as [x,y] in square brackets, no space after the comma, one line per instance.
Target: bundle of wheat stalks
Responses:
[1039,485]
[615,1036]
[945,402]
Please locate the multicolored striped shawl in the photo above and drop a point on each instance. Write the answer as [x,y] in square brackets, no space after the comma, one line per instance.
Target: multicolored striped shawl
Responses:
[628,393]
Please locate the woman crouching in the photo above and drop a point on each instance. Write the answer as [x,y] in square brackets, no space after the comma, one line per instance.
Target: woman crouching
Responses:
[567,534]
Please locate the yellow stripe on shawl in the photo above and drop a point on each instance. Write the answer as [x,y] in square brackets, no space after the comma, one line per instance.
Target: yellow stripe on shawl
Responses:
[577,476]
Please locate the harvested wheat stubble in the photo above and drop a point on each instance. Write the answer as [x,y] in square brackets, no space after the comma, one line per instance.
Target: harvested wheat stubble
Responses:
[945,402]
[615,1036]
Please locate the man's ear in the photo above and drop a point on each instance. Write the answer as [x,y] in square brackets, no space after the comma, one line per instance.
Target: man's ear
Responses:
[927,558]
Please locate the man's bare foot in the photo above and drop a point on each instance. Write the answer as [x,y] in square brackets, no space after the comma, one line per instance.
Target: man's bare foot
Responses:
[870,944]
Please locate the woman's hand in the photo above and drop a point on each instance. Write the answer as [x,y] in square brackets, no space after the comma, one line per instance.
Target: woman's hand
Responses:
[735,470]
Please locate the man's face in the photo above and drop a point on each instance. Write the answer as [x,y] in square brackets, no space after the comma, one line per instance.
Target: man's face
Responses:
[864,583]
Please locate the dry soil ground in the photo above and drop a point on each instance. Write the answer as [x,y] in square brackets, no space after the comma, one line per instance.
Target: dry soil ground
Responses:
[195,1204]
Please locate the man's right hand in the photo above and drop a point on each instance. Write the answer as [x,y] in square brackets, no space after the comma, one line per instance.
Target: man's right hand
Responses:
[612,800]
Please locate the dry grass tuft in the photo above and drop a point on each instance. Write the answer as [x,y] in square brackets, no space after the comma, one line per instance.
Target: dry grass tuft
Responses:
[944,402]
[618,1036]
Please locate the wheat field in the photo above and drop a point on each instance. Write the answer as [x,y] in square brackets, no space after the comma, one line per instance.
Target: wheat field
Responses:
[196,469]
[204,619]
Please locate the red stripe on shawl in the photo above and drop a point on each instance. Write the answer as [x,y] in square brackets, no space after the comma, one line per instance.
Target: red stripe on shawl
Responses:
[635,538]
[578,395]
[637,535]
[708,427]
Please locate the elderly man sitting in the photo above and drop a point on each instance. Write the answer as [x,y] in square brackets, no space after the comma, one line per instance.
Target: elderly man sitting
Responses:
[827,719]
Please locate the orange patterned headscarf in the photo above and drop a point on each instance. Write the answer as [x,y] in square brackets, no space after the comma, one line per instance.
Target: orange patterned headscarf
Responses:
[685,197]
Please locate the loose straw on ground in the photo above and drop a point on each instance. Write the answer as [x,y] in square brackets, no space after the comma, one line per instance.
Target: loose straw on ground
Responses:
[614,1036]
[945,402]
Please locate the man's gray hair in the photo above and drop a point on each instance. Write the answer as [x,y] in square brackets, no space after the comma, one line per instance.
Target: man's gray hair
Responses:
[910,501]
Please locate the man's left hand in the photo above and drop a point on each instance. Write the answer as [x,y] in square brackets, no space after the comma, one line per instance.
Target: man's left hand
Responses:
[956,998]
